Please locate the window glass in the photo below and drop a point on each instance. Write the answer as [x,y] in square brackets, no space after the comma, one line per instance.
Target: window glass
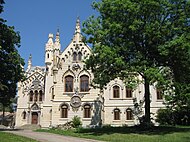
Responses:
[129,115]
[64,111]
[128,92]
[74,56]
[87,111]
[69,84]
[36,96]
[84,83]
[31,96]
[116,92]
[41,95]
[116,114]
[159,93]
[79,56]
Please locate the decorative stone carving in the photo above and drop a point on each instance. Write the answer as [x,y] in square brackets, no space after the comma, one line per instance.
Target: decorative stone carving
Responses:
[75,101]
[76,67]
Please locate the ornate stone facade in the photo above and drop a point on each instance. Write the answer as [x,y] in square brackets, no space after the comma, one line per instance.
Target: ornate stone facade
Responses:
[54,94]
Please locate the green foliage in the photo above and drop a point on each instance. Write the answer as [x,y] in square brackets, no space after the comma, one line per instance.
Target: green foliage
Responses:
[147,37]
[11,63]
[129,134]
[8,137]
[180,116]
[76,122]
[165,117]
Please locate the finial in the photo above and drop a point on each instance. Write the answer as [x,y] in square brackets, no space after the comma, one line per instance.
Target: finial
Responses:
[30,57]
[57,34]
[57,38]
[77,29]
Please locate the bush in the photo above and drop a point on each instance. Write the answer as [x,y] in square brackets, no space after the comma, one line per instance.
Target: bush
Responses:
[180,116]
[164,117]
[76,122]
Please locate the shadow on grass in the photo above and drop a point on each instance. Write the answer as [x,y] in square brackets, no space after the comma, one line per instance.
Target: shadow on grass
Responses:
[156,130]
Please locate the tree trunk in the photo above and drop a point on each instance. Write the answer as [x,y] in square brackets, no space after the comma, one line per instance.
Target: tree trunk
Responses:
[3,107]
[147,101]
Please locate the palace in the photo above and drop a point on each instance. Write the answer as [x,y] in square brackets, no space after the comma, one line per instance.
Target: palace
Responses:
[54,94]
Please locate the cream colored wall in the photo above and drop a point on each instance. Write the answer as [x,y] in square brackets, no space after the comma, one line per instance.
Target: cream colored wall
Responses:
[59,66]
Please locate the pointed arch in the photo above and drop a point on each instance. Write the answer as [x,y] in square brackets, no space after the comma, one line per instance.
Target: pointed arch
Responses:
[74,56]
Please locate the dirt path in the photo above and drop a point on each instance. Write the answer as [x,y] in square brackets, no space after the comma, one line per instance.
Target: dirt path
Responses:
[47,137]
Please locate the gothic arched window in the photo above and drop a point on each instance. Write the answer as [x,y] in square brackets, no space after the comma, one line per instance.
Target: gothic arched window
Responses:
[69,83]
[31,96]
[64,111]
[79,56]
[116,92]
[116,114]
[74,56]
[129,114]
[87,111]
[36,96]
[40,95]
[84,83]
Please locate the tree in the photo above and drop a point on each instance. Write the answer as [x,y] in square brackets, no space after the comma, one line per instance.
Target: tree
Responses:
[132,36]
[11,63]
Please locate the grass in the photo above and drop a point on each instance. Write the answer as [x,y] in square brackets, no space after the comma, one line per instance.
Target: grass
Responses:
[8,137]
[129,134]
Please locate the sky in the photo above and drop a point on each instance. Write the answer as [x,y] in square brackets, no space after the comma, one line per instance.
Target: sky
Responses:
[35,19]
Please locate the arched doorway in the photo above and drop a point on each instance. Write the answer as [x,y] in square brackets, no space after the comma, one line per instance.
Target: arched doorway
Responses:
[34,118]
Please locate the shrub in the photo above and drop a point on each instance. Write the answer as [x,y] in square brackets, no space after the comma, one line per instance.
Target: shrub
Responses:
[165,117]
[76,122]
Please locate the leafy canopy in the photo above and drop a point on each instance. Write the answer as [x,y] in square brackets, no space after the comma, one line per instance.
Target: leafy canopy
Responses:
[132,36]
[10,61]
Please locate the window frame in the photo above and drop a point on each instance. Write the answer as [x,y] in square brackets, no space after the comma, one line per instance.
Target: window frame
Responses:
[79,56]
[69,83]
[129,114]
[128,92]
[116,113]
[74,56]
[64,111]
[31,95]
[36,95]
[159,94]
[40,96]
[87,111]
[84,83]
[116,92]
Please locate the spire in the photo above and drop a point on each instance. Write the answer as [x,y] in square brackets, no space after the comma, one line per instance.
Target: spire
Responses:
[77,28]
[77,35]
[57,38]
[29,62]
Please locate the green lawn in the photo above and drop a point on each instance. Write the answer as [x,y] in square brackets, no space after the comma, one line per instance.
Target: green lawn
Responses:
[8,137]
[130,134]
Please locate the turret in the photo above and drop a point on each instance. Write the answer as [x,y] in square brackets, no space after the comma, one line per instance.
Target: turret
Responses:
[49,50]
[57,45]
